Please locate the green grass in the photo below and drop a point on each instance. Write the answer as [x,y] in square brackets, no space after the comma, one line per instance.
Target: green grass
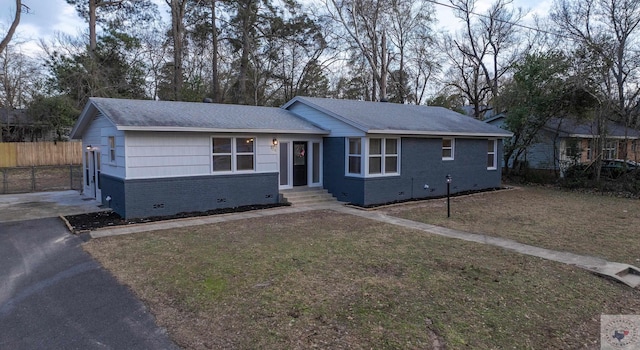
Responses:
[582,223]
[328,280]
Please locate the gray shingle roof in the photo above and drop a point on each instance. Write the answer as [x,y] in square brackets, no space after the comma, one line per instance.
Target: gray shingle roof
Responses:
[379,117]
[169,115]
[572,128]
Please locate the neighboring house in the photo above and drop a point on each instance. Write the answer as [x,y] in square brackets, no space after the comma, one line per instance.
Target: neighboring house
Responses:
[16,125]
[151,158]
[562,142]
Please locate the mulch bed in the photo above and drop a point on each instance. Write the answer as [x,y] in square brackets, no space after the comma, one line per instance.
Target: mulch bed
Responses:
[93,221]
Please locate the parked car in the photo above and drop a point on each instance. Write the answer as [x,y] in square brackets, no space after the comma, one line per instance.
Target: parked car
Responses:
[615,167]
[611,168]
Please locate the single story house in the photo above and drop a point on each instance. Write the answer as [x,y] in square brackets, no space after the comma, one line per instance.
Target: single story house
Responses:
[564,141]
[153,158]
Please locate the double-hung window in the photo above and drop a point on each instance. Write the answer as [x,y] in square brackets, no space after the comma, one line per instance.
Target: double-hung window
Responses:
[232,154]
[379,157]
[383,156]
[112,149]
[492,155]
[448,145]
[354,156]
[610,150]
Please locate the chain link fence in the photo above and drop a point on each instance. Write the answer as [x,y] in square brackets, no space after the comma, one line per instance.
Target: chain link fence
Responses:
[40,178]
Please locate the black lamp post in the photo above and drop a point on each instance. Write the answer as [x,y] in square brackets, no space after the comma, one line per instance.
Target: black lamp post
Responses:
[448,177]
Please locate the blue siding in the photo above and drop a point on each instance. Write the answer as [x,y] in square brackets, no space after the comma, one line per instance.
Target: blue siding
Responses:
[114,187]
[421,164]
[137,198]
[346,189]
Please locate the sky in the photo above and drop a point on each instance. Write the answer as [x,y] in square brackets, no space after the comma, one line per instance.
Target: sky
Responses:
[46,17]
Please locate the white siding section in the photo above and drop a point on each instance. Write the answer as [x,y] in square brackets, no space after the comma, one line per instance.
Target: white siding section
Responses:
[171,154]
[167,154]
[266,154]
[336,127]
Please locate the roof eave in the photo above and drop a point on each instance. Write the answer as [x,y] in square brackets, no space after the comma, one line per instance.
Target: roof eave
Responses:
[87,114]
[221,130]
[440,133]
[589,136]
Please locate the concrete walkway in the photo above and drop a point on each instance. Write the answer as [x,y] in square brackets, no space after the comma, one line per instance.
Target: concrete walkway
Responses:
[627,274]
[38,205]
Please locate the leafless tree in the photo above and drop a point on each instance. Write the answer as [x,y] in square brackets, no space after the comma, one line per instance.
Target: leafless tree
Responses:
[490,43]
[12,29]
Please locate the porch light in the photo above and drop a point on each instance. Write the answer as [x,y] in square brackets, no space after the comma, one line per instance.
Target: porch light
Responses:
[274,141]
[89,147]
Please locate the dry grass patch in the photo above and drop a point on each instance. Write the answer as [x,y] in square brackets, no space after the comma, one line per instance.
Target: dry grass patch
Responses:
[333,281]
[596,225]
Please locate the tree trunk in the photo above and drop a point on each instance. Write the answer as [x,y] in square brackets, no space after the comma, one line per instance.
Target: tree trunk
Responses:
[12,29]
[241,91]
[215,82]
[383,67]
[177,32]
[93,40]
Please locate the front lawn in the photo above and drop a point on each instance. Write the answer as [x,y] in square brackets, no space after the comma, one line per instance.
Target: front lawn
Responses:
[581,223]
[333,281]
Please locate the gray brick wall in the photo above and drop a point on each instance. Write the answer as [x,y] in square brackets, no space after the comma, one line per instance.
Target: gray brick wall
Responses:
[168,196]
[421,164]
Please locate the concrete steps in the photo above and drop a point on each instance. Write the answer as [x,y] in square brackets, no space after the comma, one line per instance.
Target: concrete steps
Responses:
[305,196]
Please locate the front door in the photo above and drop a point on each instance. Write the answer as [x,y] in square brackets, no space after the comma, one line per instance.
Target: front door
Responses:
[299,163]
[92,173]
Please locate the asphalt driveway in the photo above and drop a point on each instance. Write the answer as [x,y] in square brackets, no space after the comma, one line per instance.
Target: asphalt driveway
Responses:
[54,295]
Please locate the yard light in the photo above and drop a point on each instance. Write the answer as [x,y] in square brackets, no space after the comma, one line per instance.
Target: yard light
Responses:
[448,177]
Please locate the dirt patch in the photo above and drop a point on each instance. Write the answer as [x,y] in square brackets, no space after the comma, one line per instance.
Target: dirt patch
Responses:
[93,221]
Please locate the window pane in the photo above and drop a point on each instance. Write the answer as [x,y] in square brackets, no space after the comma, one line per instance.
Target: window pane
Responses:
[354,146]
[490,146]
[316,162]
[375,146]
[391,146]
[375,165]
[490,160]
[245,162]
[284,163]
[391,165]
[299,153]
[221,145]
[221,163]
[446,153]
[244,145]
[354,165]
[446,143]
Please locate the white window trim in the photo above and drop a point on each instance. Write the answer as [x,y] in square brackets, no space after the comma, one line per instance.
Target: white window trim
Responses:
[365,156]
[234,155]
[495,154]
[348,155]
[112,150]
[453,148]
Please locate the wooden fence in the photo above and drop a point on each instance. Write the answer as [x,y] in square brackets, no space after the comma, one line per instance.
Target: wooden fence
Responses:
[27,154]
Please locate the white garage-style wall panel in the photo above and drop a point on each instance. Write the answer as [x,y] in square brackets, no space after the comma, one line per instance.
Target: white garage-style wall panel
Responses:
[167,154]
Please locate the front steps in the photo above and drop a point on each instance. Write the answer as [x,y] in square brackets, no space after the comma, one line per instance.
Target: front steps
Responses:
[306,196]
